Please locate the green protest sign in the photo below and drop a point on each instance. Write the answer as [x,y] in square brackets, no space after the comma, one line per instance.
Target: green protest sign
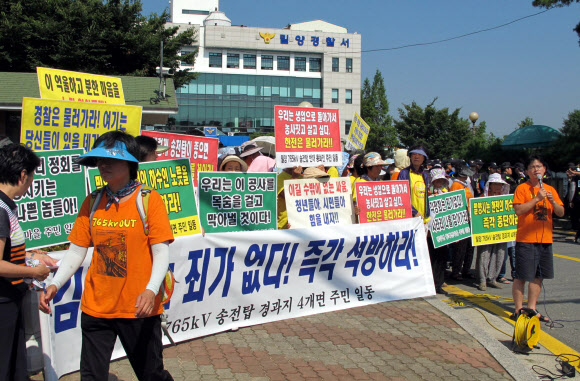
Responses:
[172,180]
[235,201]
[493,220]
[449,219]
[50,206]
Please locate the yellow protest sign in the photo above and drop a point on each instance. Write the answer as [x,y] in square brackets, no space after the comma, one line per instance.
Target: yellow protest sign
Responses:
[79,87]
[52,125]
[359,132]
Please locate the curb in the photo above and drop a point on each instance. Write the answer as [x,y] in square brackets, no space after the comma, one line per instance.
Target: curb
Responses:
[499,352]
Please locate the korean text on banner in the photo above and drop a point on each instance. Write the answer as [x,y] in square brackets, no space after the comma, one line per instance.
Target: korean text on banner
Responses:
[383,200]
[307,137]
[319,202]
[235,201]
[230,280]
[449,218]
[202,152]
[172,180]
[47,211]
[49,125]
[493,220]
[359,132]
[79,87]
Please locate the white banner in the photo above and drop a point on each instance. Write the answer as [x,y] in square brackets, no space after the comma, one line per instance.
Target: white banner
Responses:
[229,280]
[319,202]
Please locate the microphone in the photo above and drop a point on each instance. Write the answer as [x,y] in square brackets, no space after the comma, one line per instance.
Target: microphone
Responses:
[540,180]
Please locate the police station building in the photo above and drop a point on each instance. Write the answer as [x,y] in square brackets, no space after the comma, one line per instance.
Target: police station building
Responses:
[246,71]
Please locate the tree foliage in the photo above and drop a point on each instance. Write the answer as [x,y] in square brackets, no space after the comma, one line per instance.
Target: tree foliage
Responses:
[567,148]
[375,112]
[109,37]
[527,121]
[557,3]
[444,134]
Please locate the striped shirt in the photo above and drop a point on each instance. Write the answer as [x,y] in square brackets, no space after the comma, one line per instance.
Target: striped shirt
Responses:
[14,250]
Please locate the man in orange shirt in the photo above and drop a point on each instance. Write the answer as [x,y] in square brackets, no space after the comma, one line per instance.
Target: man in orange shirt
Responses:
[534,203]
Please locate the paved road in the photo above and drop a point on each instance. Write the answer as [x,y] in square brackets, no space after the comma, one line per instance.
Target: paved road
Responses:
[561,300]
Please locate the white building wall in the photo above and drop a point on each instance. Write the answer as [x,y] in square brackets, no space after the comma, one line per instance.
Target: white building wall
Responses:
[176,8]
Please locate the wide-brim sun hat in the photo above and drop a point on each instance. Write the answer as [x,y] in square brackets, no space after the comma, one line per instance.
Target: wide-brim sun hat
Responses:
[117,151]
[314,173]
[351,161]
[372,158]
[438,173]
[236,159]
[496,178]
[248,148]
[463,170]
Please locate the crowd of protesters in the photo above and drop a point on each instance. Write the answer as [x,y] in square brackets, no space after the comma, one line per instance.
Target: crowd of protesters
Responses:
[127,304]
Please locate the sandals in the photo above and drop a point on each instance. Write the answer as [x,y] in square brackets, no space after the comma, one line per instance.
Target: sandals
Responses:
[503,281]
[541,318]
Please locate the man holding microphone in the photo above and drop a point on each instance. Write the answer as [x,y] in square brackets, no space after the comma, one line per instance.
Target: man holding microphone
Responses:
[534,203]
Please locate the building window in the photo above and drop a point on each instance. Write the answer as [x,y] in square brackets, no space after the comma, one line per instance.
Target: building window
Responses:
[347,124]
[283,63]
[233,61]
[335,64]
[193,12]
[334,95]
[348,96]
[349,65]
[184,53]
[267,62]
[249,61]
[315,65]
[300,64]
[215,60]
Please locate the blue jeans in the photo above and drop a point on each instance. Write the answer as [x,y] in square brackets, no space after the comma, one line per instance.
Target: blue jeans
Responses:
[511,253]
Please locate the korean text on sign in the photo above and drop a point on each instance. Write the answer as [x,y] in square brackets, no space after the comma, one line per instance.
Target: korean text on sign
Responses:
[449,218]
[53,125]
[79,87]
[307,137]
[383,200]
[493,220]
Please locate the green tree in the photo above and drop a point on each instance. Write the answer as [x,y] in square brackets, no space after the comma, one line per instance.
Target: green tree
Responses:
[557,3]
[109,37]
[526,122]
[375,112]
[444,134]
[567,148]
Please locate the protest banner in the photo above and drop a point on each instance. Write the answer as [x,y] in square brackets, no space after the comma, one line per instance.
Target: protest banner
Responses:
[48,209]
[383,200]
[172,180]
[49,125]
[236,201]
[358,133]
[232,280]
[202,152]
[319,202]
[79,87]
[449,218]
[307,137]
[493,220]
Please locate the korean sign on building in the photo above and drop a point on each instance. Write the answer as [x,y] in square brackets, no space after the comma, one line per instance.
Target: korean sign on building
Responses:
[79,87]
[383,200]
[493,220]
[449,218]
[319,202]
[201,151]
[307,137]
[235,201]
[55,125]
[48,209]
[172,180]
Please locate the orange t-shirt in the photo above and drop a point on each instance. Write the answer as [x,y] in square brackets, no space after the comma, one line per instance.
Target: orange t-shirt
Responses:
[535,226]
[395,175]
[458,186]
[122,259]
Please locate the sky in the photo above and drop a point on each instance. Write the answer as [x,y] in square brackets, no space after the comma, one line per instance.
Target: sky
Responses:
[530,68]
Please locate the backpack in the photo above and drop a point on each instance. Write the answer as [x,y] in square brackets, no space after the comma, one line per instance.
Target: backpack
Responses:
[142,201]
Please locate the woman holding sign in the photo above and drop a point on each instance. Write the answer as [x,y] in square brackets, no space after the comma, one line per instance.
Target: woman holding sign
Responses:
[121,292]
